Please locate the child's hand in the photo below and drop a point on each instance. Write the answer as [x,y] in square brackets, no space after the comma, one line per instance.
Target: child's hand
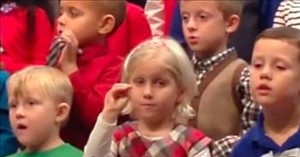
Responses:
[116,100]
[67,61]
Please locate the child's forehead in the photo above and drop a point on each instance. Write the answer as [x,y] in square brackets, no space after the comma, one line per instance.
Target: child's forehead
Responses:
[27,90]
[192,5]
[274,48]
[89,5]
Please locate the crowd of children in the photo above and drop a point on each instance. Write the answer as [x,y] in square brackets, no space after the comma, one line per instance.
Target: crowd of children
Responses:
[112,83]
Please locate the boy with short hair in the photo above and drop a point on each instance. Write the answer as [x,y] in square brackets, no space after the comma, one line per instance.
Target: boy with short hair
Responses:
[39,104]
[83,27]
[275,85]
[223,103]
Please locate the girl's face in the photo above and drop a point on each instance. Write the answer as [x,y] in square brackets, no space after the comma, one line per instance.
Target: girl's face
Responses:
[155,91]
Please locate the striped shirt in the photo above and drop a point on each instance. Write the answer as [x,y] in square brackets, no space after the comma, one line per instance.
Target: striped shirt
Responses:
[288,14]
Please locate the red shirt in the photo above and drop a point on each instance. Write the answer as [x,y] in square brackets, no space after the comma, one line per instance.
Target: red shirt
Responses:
[131,32]
[19,50]
[98,71]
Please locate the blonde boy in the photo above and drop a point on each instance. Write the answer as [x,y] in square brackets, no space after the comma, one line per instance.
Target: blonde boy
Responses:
[223,105]
[39,104]
[275,85]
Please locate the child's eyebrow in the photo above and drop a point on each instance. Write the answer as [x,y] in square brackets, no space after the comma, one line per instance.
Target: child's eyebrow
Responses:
[184,12]
[257,57]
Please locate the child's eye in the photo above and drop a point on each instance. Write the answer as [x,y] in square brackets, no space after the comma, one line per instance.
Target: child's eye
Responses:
[184,18]
[160,83]
[61,12]
[31,101]
[12,105]
[74,13]
[256,65]
[202,16]
[280,67]
[138,81]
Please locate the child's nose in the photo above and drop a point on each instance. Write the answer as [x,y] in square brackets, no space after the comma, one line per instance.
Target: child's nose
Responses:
[61,20]
[19,113]
[266,73]
[148,92]
[191,24]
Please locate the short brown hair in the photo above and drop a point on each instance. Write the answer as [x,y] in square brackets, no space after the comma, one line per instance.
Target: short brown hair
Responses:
[230,7]
[286,34]
[117,8]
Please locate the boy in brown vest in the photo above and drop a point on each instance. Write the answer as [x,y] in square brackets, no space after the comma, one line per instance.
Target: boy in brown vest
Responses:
[223,103]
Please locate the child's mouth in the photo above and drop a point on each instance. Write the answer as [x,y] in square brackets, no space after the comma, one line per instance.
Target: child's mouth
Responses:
[21,127]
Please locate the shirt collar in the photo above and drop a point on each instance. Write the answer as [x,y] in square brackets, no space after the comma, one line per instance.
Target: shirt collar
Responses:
[259,137]
[91,51]
[205,64]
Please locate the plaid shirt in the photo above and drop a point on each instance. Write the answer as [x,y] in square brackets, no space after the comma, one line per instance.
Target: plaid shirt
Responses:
[223,147]
[181,141]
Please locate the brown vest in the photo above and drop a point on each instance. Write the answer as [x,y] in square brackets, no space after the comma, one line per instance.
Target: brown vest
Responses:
[217,104]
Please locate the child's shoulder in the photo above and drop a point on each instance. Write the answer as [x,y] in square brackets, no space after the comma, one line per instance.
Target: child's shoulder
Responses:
[244,145]
[62,150]
[124,130]
[69,150]
[18,154]
[189,134]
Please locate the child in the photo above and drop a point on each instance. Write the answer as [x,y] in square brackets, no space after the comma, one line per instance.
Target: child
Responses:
[157,94]
[288,14]
[275,85]
[39,104]
[26,31]
[223,105]
[84,27]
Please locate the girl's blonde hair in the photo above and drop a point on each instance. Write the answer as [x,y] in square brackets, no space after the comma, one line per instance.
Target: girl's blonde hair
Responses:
[177,63]
[44,80]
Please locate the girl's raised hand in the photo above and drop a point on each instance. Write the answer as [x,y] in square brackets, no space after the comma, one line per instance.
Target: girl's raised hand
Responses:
[115,101]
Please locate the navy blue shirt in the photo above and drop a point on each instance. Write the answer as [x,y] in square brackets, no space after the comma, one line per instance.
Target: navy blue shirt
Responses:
[255,144]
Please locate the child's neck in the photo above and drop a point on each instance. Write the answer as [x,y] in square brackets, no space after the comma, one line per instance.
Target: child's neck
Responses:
[156,129]
[280,125]
[99,41]
[210,53]
[50,143]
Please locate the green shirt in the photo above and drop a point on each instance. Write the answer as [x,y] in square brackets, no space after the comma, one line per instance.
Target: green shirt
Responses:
[64,150]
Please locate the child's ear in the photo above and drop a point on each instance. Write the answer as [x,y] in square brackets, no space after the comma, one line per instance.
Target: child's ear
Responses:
[232,23]
[107,24]
[62,112]
[180,96]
